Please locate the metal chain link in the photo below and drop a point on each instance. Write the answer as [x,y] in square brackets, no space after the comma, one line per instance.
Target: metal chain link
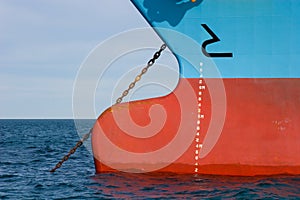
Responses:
[119,100]
[78,144]
[144,70]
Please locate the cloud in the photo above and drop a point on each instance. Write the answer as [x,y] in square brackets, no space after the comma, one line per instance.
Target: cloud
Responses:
[42,45]
[35,97]
[50,30]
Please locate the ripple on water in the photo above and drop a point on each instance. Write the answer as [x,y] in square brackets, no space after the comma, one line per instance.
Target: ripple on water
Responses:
[30,148]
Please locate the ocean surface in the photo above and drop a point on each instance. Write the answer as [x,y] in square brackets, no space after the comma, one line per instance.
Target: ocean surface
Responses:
[30,148]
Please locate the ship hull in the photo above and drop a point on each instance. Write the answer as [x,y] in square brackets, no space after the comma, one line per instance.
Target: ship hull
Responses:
[259,134]
[236,108]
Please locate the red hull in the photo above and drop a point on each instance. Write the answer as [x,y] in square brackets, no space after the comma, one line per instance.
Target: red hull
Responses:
[260,134]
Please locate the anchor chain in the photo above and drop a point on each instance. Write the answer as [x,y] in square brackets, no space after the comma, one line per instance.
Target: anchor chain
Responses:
[119,100]
[72,151]
[144,70]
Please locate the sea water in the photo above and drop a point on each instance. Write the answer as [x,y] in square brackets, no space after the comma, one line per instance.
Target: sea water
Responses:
[30,148]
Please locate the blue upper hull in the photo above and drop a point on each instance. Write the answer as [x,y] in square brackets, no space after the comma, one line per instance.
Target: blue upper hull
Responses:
[263,36]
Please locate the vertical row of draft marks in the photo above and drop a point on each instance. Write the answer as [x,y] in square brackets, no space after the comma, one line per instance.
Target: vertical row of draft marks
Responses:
[200,117]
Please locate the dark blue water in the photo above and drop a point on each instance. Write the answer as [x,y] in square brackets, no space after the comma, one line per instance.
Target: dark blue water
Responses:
[30,148]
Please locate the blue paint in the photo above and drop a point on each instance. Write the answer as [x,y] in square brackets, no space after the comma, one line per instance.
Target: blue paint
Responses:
[263,35]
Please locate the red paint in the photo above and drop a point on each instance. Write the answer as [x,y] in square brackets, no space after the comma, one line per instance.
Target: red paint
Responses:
[260,136]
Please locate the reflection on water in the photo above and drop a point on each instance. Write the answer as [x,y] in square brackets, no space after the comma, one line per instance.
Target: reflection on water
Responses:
[170,10]
[122,185]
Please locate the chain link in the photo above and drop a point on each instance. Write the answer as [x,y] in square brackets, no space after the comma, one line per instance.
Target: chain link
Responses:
[72,151]
[144,70]
[119,100]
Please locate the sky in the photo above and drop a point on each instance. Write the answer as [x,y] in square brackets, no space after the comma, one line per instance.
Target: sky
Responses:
[43,45]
